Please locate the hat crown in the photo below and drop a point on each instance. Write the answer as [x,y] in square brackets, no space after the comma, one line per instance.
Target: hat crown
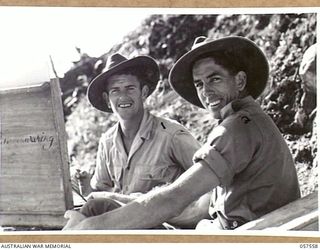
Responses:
[114,60]
[199,41]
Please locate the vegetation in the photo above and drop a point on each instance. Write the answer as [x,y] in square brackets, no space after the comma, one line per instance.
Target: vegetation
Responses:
[283,37]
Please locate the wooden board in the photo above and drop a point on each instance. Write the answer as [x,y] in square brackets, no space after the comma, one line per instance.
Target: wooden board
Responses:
[299,215]
[35,187]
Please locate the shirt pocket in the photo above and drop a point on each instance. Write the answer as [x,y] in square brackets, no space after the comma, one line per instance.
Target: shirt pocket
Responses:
[151,176]
[156,174]
[160,173]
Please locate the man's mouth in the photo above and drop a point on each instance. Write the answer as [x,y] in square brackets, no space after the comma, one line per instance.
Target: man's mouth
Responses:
[125,105]
[214,103]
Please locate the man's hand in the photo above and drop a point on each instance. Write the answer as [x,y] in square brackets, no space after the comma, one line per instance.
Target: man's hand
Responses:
[74,219]
[78,221]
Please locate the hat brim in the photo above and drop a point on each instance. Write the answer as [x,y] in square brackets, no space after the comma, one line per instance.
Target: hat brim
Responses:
[98,84]
[257,67]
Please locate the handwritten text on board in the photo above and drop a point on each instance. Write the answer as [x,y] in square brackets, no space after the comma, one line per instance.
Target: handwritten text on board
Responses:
[44,139]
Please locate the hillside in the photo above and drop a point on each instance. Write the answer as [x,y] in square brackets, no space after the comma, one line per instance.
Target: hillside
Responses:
[284,38]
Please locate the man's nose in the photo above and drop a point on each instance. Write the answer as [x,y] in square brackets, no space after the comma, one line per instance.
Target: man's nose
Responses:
[123,92]
[207,90]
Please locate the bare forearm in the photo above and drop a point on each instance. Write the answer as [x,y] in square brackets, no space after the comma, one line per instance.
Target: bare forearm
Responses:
[158,206]
[123,198]
[134,214]
[195,212]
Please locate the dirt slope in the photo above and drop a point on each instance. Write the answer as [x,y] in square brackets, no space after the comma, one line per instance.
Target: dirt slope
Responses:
[284,38]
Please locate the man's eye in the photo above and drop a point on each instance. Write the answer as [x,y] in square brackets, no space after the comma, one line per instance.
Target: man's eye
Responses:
[198,84]
[114,91]
[214,79]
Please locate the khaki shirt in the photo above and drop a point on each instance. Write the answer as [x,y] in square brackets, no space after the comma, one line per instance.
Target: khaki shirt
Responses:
[160,152]
[255,168]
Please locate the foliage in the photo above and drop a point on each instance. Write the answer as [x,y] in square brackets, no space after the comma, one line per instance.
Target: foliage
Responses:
[283,38]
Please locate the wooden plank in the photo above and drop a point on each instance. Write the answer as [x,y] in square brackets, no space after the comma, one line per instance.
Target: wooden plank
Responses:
[62,135]
[302,222]
[35,188]
[301,214]
[49,221]
[314,226]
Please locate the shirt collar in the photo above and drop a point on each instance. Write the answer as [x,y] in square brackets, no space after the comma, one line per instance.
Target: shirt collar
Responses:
[145,126]
[235,106]
[144,130]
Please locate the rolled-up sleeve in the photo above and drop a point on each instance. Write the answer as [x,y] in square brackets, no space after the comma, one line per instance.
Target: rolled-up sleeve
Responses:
[216,162]
[229,149]
[184,146]
[101,179]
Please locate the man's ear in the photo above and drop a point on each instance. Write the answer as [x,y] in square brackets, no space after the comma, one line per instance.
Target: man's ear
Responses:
[105,97]
[144,92]
[241,80]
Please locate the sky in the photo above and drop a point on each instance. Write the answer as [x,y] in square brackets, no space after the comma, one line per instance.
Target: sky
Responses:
[30,35]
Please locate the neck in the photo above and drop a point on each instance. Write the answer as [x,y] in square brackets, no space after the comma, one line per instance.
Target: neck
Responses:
[129,128]
[244,93]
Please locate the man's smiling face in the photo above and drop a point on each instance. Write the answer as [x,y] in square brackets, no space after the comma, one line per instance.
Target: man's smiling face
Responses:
[125,96]
[215,85]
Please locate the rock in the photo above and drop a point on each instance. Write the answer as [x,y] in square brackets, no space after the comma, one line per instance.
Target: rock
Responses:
[282,37]
[307,69]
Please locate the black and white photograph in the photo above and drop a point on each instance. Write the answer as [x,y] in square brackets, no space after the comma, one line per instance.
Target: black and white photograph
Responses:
[174,121]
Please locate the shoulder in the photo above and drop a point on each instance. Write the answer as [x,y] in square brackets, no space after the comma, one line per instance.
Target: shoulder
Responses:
[108,135]
[169,126]
[240,120]
[241,124]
